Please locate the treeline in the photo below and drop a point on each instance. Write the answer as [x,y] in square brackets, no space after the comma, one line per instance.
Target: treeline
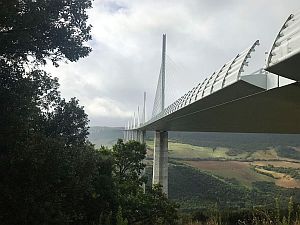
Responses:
[282,213]
[293,172]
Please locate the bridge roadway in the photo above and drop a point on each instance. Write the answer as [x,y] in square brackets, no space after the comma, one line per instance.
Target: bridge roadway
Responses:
[259,111]
[267,101]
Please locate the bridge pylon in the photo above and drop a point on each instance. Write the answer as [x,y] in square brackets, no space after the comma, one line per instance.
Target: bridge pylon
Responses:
[160,159]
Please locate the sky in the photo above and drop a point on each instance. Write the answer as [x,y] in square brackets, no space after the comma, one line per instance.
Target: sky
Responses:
[202,35]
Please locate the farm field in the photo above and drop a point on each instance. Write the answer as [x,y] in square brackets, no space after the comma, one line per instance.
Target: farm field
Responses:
[241,171]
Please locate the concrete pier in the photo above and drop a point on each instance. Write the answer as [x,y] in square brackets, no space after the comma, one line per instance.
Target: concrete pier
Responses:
[160,160]
[141,136]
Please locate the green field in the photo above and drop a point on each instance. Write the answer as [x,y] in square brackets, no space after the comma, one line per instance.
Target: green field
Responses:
[187,151]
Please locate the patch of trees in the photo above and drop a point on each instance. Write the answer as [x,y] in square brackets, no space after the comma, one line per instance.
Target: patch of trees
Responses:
[293,172]
[49,172]
[282,212]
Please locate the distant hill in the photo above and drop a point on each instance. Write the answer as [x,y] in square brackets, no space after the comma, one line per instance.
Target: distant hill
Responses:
[238,142]
[106,136]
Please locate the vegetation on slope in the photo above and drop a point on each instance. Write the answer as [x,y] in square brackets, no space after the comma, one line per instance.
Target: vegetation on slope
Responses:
[194,189]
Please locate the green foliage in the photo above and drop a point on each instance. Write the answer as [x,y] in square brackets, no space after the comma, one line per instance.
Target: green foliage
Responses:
[129,158]
[49,172]
[119,218]
[149,208]
[194,189]
[256,216]
[33,31]
[68,121]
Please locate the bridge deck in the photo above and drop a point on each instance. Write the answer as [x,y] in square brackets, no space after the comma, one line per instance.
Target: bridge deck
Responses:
[262,111]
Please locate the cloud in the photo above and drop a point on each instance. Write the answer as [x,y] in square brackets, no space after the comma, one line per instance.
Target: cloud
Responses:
[104,107]
[201,37]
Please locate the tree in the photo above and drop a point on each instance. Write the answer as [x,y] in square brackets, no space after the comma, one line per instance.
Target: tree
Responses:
[150,208]
[24,98]
[129,160]
[36,30]
[69,122]
[119,218]
[32,31]
[49,172]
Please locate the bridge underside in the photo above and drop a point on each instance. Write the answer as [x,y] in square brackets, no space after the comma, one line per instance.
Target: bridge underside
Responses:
[261,111]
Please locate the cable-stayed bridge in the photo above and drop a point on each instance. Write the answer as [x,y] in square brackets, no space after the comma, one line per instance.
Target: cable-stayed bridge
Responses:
[266,101]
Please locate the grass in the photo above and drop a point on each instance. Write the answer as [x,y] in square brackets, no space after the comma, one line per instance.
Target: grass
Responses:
[269,154]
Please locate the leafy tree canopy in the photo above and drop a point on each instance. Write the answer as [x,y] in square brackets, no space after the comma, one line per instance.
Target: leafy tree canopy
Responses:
[149,208]
[36,30]
[49,172]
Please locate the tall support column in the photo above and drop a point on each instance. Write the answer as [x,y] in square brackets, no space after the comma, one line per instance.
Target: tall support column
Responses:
[160,160]
[125,135]
[131,135]
[142,134]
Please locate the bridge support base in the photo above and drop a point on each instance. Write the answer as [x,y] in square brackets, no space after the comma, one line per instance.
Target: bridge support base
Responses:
[160,160]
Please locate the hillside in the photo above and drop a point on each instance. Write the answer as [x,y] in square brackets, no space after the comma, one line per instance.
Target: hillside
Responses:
[233,170]
[194,189]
